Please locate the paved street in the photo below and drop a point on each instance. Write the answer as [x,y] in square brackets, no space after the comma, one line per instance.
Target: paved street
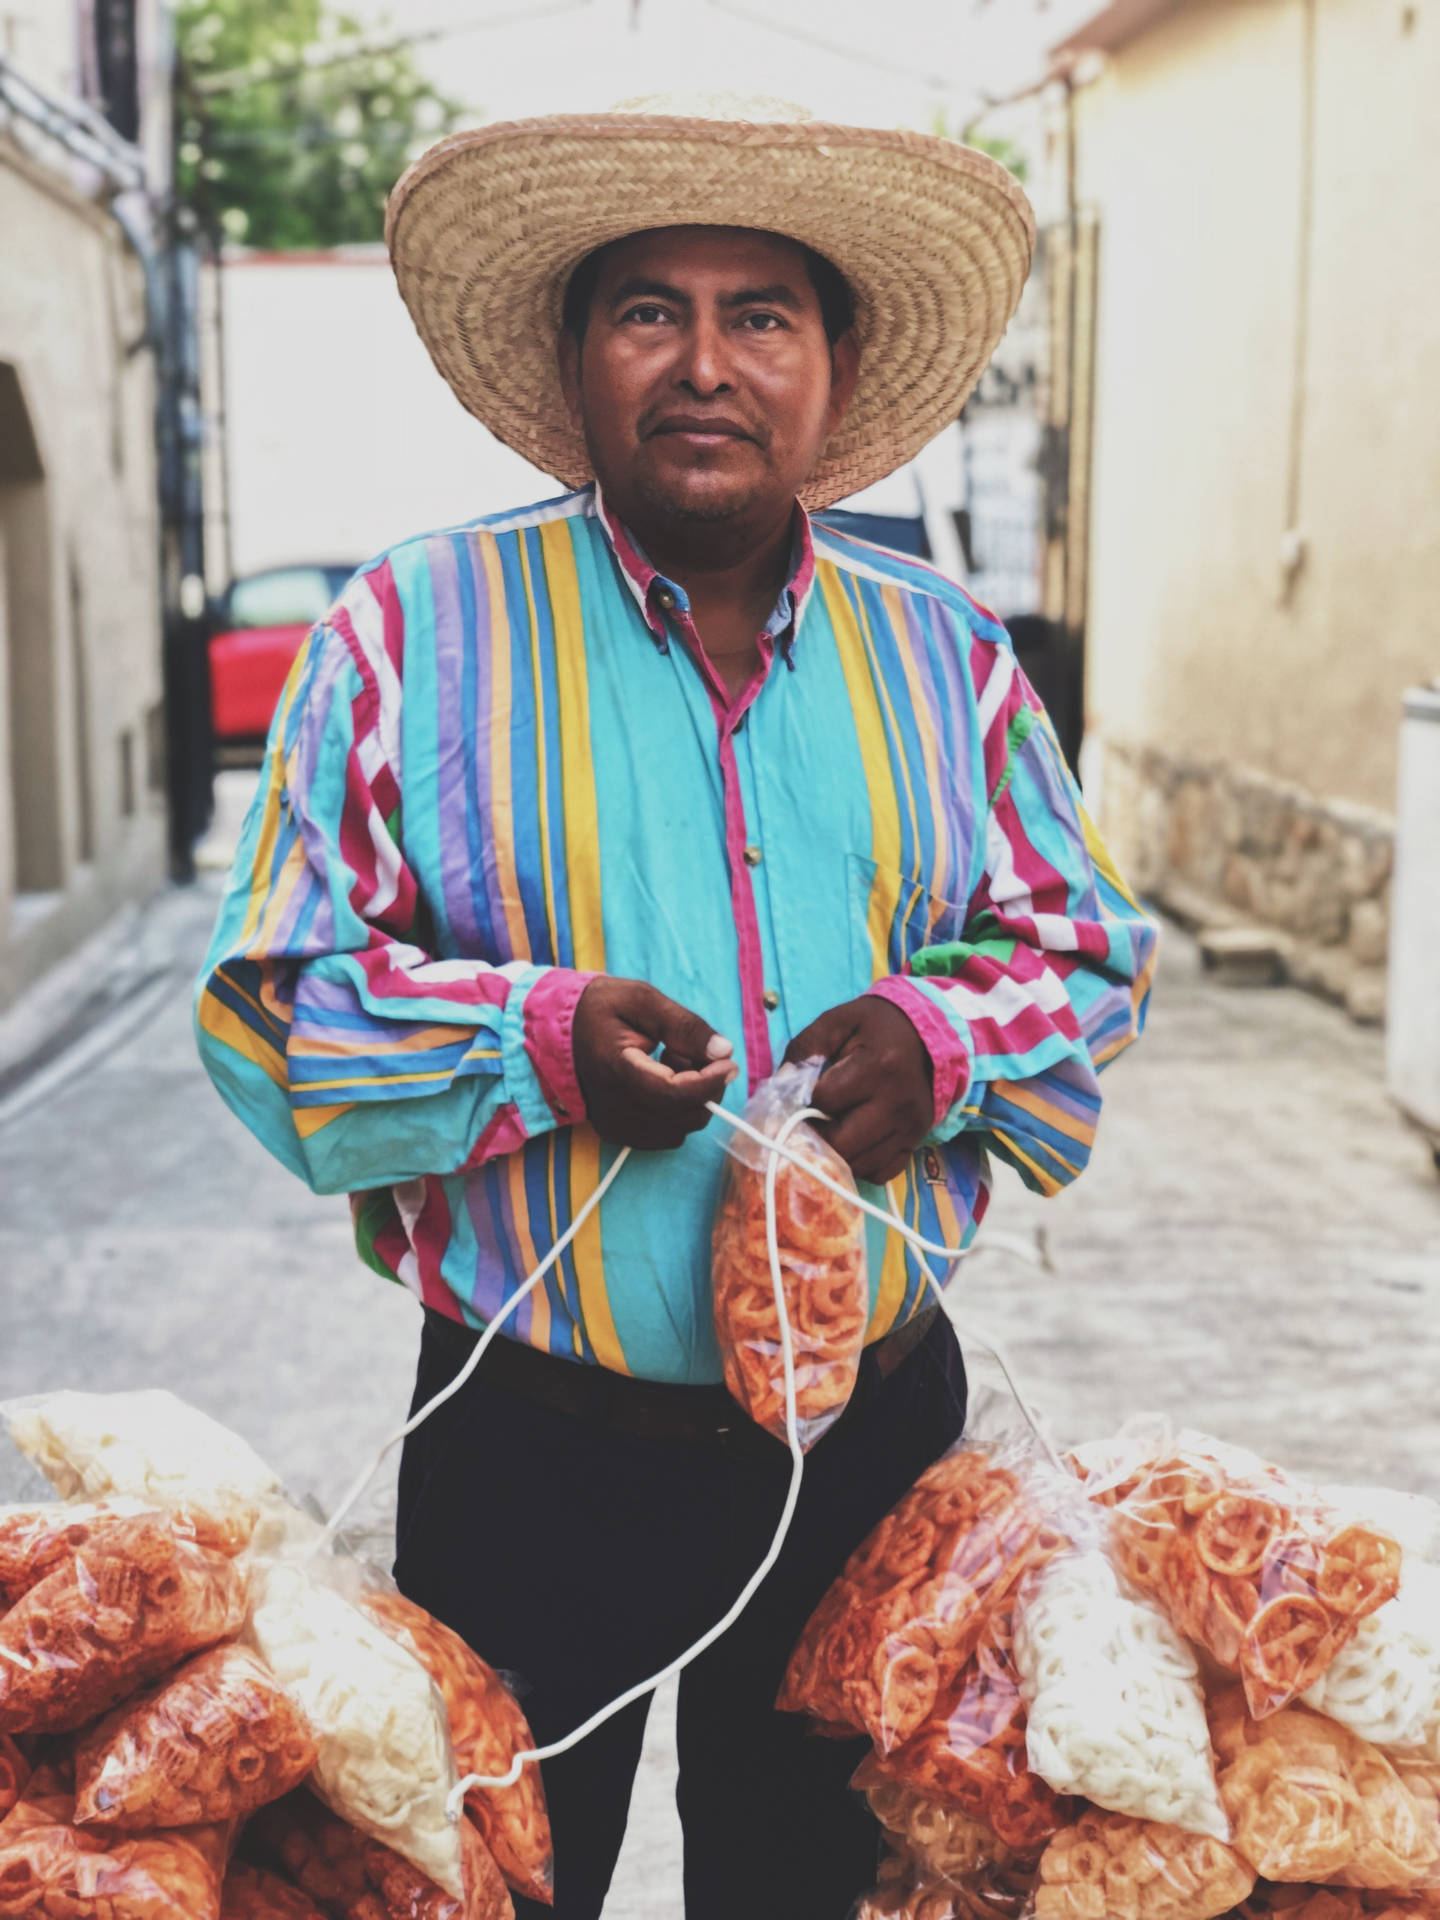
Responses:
[1256,1250]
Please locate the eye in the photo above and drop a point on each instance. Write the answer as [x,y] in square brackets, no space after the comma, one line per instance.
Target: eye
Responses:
[760,322]
[646,313]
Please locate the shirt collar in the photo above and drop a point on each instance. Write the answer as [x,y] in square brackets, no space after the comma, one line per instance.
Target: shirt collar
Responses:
[656,596]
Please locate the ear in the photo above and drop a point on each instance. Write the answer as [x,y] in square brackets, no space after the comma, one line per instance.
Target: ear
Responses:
[567,353]
[844,372]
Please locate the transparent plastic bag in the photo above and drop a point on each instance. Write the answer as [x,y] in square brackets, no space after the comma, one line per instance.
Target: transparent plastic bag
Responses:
[942,1844]
[1109,1867]
[352,1877]
[385,1761]
[35,1540]
[1116,1709]
[487,1730]
[1248,1563]
[1311,1801]
[136,1599]
[1335,1903]
[50,1867]
[212,1742]
[889,1641]
[821,1243]
[14,1774]
[906,1892]
[153,1447]
[1385,1683]
[250,1893]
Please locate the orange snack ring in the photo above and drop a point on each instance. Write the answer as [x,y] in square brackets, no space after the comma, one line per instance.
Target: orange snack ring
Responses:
[133,1602]
[14,1774]
[1288,1644]
[1360,1571]
[252,1893]
[1110,1867]
[351,1877]
[488,1728]
[212,1742]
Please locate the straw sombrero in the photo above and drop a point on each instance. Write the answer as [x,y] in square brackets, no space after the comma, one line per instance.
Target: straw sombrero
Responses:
[934,238]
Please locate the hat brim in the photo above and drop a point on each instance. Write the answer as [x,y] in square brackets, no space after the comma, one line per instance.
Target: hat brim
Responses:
[934,238]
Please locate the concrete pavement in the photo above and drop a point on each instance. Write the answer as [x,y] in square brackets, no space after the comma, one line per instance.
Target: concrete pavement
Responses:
[1256,1249]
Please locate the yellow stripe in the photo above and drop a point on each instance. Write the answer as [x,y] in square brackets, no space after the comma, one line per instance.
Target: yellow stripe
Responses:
[502,811]
[309,1120]
[224,1024]
[385,1079]
[279,1014]
[1046,1181]
[1015,1092]
[542,794]
[875,757]
[940,877]
[582,882]
[890,1296]
[514,1165]
[439,1036]
[878,678]
[270,819]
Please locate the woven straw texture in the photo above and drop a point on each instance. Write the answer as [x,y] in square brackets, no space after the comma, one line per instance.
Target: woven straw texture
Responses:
[935,239]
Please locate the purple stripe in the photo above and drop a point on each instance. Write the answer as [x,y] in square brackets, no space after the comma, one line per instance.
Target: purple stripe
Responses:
[452,770]
[482,857]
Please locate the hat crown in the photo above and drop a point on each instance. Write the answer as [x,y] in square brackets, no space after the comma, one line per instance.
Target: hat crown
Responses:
[759,107]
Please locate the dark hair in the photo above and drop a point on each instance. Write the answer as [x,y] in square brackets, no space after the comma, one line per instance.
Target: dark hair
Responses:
[832,290]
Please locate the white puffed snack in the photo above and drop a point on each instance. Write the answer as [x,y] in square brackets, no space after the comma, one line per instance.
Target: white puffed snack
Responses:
[386,1764]
[1385,1684]
[150,1446]
[1116,1711]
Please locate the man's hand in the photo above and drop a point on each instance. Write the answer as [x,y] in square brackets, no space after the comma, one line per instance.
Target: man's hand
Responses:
[877,1086]
[629,1097]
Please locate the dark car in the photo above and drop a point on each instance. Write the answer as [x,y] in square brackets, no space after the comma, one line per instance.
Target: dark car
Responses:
[260,623]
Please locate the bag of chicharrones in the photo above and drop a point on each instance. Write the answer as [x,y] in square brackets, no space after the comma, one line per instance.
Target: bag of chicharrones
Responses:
[821,1244]
[894,1633]
[138,1596]
[384,1761]
[1116,1710]
[1249,1563]
[154,1448]
[1106,1866]
[904,1892]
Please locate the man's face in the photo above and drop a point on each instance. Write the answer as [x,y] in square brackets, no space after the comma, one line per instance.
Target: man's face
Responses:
[706,387]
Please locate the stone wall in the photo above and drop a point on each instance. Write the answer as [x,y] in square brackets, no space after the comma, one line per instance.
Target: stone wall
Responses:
[1223,845]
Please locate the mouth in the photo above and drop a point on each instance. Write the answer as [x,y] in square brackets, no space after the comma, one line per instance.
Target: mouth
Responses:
[696,430]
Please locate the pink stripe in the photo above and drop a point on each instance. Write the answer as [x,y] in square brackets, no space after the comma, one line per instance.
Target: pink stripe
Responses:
[381,582]
[483,988]
[550,1038]
[505,1133]
[949,1056]
[429,1240]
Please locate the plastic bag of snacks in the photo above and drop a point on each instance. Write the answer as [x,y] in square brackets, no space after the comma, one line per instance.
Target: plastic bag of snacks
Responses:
[970,1754]
[1116,1710]
[36,1540]
[153,1447]
[1335,1903]
[1311,1801]
[136,1599]
[385,1762]
[51,1867]
[890,1638]
[250,1893]
[822,1261]
[1109,1867]
[905,1892]
[487,1730]
[351,1877]
[212,1742]
[941,1843]
[1385,1684]
[1248,1563]
[14,1774]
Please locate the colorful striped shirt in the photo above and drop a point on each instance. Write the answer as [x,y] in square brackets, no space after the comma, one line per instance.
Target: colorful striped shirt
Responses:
[503,763]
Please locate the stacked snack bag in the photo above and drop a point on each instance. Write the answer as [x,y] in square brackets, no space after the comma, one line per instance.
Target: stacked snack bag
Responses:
[1171,1683]
[207,1714]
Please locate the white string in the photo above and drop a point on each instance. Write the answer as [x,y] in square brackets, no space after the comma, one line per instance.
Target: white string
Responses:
[776,1149]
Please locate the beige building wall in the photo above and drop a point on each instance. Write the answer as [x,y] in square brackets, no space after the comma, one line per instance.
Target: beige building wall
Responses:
[82,824]
[1265,535]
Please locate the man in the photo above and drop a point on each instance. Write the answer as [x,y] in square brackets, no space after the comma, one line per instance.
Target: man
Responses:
[579,818]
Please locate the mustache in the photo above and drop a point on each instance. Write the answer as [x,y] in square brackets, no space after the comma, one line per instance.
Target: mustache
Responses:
[668,418]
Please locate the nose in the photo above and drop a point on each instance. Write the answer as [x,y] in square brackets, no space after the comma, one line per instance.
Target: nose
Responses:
[704,366]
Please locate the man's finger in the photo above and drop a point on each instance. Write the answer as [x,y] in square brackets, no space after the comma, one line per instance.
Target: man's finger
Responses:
[663,1089]
[824,1037]
[686,1035]
[847,1084]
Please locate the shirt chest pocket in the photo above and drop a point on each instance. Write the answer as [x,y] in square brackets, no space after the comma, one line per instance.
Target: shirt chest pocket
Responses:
[893,916]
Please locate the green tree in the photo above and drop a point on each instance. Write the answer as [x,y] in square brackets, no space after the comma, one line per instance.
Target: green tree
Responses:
[282,143]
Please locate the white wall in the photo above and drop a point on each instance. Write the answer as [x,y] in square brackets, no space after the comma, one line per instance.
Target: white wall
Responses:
[343,438]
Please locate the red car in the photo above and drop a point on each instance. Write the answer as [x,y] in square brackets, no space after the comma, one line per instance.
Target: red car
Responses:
[260,624]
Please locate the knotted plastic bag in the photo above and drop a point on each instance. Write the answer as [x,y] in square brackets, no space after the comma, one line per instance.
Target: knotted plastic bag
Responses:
[385,1763]
[821,1241]
[1249,1564]
[907,1892]
[1109,1867]
[888,1643]
[352,1877]
[487,1730]
[1385,1684]
[1116,1709]
[943,1845]
[212,1742]
[250,1893]
[50,1867]
[153,1447]
[134,1600]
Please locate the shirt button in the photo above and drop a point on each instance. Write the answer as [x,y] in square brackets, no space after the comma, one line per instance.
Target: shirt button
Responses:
[753,856]
[665,598]
[770,999]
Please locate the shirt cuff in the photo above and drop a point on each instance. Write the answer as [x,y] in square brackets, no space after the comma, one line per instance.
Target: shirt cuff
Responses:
[549,1018]
[949,1055]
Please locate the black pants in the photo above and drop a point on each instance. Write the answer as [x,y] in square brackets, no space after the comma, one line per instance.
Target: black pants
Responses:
[582,1559]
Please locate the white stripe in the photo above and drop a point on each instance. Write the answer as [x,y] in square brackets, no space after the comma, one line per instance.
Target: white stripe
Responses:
[1006,999]
[1006,887]
[1056,932]
[992,698]
[362,603]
